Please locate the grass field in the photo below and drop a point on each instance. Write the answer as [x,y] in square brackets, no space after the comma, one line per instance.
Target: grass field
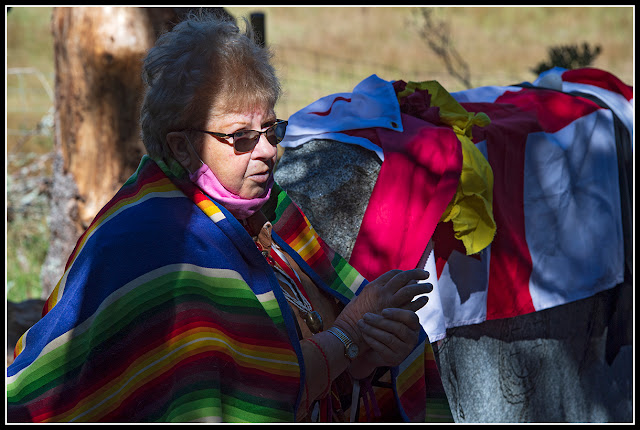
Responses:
[319,51]
[500,44]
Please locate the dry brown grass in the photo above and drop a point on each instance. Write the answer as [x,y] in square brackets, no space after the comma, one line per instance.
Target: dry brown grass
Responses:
[501,44]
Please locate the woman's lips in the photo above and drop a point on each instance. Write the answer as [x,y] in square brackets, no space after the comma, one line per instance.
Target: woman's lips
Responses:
[261,177]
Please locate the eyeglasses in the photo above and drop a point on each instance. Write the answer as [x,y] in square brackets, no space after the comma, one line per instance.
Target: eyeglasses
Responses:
[246,140]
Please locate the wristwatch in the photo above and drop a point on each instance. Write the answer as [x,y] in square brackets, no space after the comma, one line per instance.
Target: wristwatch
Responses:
[350,348]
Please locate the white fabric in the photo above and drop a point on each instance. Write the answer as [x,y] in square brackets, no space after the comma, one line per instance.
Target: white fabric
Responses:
[373,103]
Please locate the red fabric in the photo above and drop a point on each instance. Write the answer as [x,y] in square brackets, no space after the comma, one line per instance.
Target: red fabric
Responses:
[514,116]
[598,78]
[417,180]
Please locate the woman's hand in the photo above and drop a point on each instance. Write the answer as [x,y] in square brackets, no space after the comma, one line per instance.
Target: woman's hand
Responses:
[394,289]
[390,338]
[391,335]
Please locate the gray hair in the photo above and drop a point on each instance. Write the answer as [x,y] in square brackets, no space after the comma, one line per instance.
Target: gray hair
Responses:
[204,64]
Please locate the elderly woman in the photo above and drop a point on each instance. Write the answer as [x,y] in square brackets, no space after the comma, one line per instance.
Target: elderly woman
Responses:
[200,292]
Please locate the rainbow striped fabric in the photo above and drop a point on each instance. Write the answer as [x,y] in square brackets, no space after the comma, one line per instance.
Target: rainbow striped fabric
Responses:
[167,312]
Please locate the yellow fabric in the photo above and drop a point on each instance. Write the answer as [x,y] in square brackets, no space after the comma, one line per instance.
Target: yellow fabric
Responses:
[471,209]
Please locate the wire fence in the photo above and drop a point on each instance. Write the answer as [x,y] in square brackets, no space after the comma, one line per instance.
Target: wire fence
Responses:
[30,101]
[306,76]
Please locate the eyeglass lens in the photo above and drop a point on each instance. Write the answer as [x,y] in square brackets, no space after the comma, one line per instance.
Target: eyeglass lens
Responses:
[245,141]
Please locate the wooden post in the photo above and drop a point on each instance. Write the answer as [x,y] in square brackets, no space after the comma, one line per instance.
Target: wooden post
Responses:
[257,22]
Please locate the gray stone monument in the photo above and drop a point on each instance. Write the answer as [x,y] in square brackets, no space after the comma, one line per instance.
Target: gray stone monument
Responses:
[571,363]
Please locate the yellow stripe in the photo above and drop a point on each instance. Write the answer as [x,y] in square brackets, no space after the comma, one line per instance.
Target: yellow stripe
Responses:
[410,370]
[122,291]
[407,378]
[211,210]
[273,360]
[161,186]
[306,243]
[163,190]
[21,343]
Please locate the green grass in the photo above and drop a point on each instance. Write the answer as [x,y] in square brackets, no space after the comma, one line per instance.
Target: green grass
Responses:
[29,40]
[29,45]
[27,244]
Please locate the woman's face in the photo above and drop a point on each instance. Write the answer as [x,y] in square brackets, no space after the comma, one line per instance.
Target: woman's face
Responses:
[244,174]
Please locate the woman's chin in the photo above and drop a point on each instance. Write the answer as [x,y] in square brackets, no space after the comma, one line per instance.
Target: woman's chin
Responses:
[255,191]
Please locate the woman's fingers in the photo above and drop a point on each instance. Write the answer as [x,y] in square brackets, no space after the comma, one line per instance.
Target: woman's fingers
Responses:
[386,277]
[397,325]
[405,295]
[393,289]
[407,277]
[416,304]
[408,318]
[391,337]
[386,353]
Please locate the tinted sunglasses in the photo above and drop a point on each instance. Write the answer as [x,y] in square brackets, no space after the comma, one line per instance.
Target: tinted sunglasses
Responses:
[246,140]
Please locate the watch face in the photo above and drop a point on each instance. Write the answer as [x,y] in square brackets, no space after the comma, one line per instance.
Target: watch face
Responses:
[352,351]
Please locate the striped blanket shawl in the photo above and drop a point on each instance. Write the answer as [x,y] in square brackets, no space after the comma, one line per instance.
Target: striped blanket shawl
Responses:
[167,312]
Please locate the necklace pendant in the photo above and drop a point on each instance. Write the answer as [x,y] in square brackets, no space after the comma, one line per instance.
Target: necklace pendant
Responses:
[314,321]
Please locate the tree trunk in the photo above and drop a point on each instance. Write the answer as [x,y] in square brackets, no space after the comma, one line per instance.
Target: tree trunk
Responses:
[98,53]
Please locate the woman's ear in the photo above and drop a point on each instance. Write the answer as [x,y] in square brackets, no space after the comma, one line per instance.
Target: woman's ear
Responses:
[180,148]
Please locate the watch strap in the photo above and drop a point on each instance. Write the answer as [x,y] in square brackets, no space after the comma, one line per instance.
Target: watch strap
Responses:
[346,341]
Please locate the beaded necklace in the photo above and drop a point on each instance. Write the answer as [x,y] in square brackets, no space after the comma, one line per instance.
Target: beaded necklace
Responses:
[285,273]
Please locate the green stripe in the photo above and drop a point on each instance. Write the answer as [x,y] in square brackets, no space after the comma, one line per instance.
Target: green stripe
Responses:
[438,411]
[227,294]
[237,407]
[346,275]
[197,414]
[272,309]
[194,405]
[255,409]
[133,178]
[283,203]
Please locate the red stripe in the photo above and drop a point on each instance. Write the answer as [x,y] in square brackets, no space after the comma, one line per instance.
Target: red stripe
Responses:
[331,107]
[513,116]
[145,338]
[552,110]
[414,399]
[318,257]
[217,362]
[510,263]
[599,78]
[289,235]
[52,405]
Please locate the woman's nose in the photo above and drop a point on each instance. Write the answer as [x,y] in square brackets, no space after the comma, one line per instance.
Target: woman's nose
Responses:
[264,149]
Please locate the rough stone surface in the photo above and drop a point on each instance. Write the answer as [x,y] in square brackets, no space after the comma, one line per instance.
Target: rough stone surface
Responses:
[548,366]
[571,363]
[321,176]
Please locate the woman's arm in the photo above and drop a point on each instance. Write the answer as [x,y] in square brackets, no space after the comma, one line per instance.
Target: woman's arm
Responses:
[383,340]
[324,360]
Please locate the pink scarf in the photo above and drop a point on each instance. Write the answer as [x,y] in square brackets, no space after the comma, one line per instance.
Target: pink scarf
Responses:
[239,207]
